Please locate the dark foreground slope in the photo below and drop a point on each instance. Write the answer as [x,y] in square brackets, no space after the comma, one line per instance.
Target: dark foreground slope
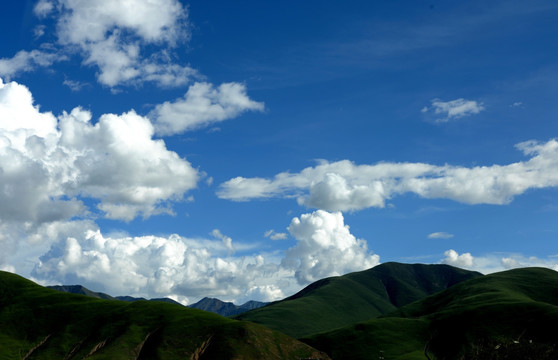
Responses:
[339,301]
[40,323]
[507,315]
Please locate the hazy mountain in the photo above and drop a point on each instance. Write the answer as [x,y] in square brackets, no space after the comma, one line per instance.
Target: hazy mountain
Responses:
[41,323]
[225,308]
[78,289]
[81,290]
[507,315]
[132,299]
[344,300]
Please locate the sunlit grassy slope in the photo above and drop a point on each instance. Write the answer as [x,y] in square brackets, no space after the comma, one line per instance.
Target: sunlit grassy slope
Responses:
[40,323]
[507,315]
[340,301]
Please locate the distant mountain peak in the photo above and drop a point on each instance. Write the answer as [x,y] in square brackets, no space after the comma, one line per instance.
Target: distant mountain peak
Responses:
[224,308]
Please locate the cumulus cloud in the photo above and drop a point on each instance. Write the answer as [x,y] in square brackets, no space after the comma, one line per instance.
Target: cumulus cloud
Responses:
[325,247]
[453,109]
[465,260]
[128,42]
[48,165]
[154,266]
[440,235]
[188,269]
[203,104]
[345,186]
[111,36]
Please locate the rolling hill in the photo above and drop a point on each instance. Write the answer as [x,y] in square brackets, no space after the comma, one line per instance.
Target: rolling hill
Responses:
[41,323]
[344,300]
[507,315]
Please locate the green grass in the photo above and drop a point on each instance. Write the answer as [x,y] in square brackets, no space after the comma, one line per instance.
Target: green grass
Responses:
[508,315]
[69,326]
[340,301]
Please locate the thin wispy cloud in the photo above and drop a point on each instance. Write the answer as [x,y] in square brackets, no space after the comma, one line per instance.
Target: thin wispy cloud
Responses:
[445,111]
[440,235]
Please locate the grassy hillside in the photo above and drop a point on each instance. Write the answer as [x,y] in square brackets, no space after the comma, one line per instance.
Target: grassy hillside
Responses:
[340,301]
[40,323]
[507,315]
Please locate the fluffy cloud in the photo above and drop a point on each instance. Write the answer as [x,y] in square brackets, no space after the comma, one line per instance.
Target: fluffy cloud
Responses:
[48,164]
[440,235]
[453,109]
[325,247]
[188,269]
[202,104]
[453,258]
[112,36]
[182,268]
[344,186]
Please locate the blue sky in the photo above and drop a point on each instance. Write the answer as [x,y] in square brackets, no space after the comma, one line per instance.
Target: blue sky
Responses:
[190,149]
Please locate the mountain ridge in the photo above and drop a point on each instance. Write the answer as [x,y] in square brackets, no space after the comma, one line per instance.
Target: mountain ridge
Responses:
[41,323]
[355,297]
[505,315]
[225,308]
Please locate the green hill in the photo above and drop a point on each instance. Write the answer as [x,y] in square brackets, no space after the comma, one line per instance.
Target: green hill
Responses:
[41,323]
[507,315]
[344,300]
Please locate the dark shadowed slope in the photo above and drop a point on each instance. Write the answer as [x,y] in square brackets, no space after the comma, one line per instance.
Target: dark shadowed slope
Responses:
[339,301]
[507,315]
[41,323]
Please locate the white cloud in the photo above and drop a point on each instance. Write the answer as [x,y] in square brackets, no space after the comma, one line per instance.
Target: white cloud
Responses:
[203,104]
[189,269]
[26,61]
[518,261]
[48,164]
[495,262]
[325,248]
[344,186]
[43,8]
[154,21]
[129,42]
[227,241]
[275,235]
[152,266]
[440,235]
[465,260]
[112,34]
[453,109]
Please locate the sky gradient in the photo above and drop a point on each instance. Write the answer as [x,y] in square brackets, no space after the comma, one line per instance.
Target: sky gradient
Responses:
[191,149]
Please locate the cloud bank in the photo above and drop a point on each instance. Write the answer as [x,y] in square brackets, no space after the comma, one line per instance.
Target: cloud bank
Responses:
[188,269]
[345,186]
